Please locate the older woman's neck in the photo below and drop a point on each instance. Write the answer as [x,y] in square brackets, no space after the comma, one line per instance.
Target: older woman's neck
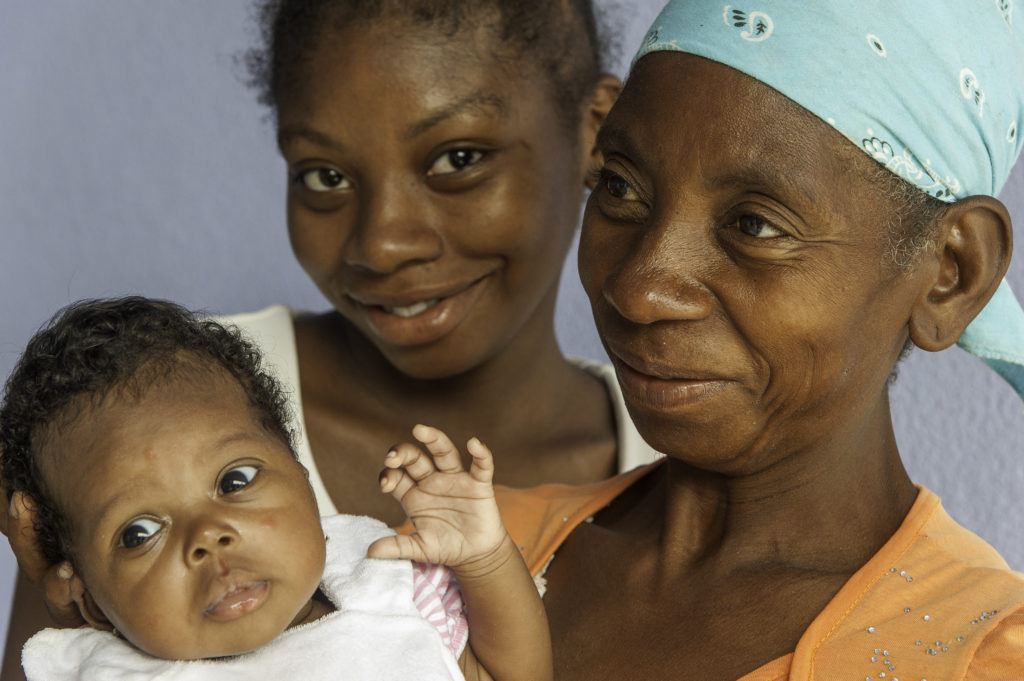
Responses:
[826,508]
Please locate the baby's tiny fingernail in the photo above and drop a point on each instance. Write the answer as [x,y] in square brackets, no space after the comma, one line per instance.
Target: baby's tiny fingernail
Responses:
[14,508]
[391,454]
[382,480]
[65,571]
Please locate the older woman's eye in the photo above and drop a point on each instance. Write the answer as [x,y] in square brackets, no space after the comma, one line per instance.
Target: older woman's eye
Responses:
[237,478]
[758,227]
[138,532]
[324,180]
[454,161]
[617,186]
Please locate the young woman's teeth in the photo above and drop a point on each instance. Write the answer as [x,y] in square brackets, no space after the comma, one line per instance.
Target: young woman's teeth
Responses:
[414,309]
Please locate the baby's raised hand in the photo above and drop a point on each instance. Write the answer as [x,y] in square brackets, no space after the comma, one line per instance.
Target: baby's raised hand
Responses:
[454,511]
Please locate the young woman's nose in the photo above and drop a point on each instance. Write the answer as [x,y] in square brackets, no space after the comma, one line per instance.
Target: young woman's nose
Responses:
[656,281]
[209,537]
[393,229]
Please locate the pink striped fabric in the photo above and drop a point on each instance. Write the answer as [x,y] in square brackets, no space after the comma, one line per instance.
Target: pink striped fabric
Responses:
[436,595]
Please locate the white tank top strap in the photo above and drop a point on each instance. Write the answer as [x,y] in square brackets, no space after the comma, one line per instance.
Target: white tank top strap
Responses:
[273,332]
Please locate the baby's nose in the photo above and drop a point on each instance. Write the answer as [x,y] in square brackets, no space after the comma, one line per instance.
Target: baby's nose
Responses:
[210,538]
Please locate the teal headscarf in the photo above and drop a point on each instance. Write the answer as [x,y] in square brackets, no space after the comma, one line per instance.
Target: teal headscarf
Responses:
[931,89]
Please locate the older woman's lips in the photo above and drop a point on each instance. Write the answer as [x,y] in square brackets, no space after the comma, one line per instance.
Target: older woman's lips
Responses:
[663,393]
[424,320]
[239,600]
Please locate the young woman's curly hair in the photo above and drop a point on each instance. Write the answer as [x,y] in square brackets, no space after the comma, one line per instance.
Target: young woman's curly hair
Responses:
[559,37]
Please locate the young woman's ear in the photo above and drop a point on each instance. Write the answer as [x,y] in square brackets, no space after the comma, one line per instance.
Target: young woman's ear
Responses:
[90,611]
[596,109]
[971,257]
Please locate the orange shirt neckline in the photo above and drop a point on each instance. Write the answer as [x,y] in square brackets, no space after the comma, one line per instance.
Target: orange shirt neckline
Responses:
[557,510]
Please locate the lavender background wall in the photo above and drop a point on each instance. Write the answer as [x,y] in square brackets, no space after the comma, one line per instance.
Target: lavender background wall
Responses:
[132,159]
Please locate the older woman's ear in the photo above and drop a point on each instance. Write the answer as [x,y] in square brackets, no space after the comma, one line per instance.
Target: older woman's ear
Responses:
[971,256]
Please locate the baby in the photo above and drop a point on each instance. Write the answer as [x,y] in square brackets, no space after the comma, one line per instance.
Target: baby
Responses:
[158,456]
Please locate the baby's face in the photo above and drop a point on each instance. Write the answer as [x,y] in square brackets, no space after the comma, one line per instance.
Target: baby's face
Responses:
[194,529]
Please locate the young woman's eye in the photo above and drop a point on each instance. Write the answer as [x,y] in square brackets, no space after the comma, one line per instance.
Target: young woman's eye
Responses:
[324,180]
[454,161]
[139,532]
[617,186]
[758,227]
[236,479]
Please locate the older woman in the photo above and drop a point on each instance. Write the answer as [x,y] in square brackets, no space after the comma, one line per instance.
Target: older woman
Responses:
[789,198]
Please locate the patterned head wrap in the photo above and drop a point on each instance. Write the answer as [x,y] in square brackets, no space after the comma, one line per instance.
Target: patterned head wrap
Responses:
[933,91]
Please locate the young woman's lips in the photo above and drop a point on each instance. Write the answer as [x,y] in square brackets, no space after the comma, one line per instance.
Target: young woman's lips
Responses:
[658,393]
[239,601]
[422,321]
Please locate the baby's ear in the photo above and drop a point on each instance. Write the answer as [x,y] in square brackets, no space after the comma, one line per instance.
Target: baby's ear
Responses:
[91,612]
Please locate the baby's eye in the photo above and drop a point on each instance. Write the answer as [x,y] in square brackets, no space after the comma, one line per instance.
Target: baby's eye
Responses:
[236,479]
[454,161]
[139,532]
[758,227]
[324,180]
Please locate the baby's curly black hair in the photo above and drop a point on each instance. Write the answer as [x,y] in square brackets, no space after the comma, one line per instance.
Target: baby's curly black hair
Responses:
[560,37]
[94,347]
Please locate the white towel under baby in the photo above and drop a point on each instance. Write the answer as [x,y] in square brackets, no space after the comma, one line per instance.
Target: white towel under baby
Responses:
[376,634]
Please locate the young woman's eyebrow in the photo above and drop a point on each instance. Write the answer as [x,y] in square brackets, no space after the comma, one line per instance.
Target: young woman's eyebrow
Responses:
[479,100]
[286,135]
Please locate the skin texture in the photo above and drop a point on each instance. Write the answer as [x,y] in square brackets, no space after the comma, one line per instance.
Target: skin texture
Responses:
[162,459]
[507,217]
[733,258]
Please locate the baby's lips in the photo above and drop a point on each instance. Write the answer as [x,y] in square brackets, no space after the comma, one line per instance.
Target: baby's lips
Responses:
[239,600]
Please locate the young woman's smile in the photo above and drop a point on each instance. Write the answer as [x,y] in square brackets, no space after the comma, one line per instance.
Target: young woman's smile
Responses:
[419,317]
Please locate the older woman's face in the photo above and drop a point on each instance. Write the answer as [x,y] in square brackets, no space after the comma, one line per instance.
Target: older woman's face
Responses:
[734,255]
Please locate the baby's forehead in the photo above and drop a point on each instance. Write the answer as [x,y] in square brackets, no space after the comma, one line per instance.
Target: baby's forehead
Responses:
[145,425]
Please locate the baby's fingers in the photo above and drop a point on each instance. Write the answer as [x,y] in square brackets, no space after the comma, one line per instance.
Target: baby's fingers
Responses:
[397,547]
[482,467]
[396,482]
[446,456]
[410,457]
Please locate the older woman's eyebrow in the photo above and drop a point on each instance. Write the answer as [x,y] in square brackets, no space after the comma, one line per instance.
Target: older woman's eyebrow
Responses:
[479,100]
[616,139]
[755,178]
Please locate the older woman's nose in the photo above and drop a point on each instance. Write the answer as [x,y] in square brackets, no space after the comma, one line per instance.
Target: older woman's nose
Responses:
[209,537]
[655,283]
[392,231]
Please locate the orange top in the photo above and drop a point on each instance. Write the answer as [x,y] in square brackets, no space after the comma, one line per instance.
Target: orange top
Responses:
[936,602]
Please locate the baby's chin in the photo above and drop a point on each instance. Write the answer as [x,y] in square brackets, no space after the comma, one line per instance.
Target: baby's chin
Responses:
[213,639]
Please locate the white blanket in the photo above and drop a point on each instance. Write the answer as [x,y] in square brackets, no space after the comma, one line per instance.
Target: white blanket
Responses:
[377,634]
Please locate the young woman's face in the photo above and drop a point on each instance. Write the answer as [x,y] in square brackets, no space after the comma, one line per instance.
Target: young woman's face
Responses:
[736,262]
[433,192]
[195,530]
